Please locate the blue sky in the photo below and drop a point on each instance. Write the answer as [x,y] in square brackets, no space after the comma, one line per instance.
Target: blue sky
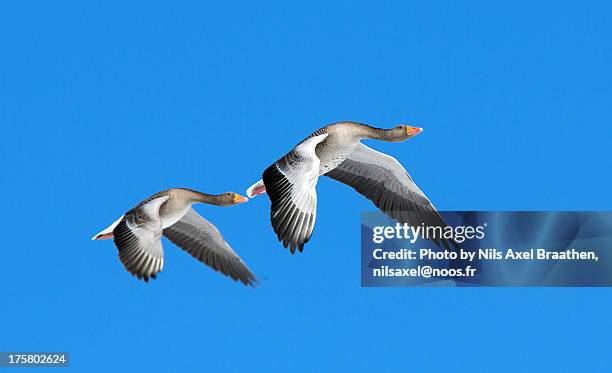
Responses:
[104,104]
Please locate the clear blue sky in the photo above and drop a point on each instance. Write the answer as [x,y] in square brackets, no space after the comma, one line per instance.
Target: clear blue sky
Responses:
[106,103]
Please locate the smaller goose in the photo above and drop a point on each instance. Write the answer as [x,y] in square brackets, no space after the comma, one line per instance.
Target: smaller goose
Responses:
[137,234]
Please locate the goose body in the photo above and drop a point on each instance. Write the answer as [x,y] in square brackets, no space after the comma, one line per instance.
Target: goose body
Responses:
[137,234]
[336,151]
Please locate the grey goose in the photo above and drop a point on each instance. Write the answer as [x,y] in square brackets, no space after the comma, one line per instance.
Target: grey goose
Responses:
[336,151]
[137,234]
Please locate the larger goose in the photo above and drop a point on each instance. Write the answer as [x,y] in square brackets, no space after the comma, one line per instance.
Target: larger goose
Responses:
[336,151]
[137,234]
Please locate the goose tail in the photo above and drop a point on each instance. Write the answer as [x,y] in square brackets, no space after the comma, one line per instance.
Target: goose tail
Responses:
[108,232]
[256,189]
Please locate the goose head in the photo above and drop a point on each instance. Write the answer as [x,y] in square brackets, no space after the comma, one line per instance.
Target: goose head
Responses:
[403,132]
[229,199]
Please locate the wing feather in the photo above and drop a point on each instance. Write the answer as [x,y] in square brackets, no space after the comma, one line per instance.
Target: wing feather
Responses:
[137,237]
[291,186]
[383,180]
[204,242]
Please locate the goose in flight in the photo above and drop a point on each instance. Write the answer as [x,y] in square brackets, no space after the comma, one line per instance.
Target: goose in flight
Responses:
[137,234]
[336,151]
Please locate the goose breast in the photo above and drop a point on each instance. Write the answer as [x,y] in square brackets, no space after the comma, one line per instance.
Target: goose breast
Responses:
[172,211]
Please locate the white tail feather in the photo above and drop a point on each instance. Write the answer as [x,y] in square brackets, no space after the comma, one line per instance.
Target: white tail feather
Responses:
[108,231]
[256,189]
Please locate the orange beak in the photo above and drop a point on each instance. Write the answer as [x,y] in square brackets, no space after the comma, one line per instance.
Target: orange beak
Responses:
[412,131]
[239,199]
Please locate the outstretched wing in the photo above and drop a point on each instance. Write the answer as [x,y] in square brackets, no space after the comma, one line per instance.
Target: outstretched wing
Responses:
[204,242]
[137,237]
[384,181]
[290,183]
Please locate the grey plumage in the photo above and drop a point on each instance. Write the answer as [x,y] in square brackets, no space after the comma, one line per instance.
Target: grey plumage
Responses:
[142,258]
[383,180]
[293,225]
[137,234]
[336,151]
[204,242]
